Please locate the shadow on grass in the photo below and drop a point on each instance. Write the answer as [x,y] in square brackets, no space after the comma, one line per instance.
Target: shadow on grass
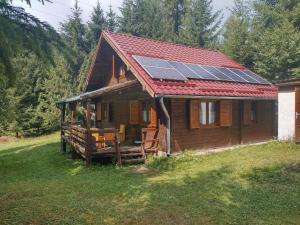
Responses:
[60,190]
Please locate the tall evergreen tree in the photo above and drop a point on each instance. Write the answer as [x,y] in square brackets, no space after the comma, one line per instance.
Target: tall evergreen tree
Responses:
[174,11]
[111,19]
[151,23]
[267,40]
[96,25]
[201,24]
[126,21]
[73,31]
[20,31]
[237,34]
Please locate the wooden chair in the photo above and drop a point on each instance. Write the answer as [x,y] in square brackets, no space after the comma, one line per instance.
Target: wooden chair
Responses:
[122,133]
[150,141]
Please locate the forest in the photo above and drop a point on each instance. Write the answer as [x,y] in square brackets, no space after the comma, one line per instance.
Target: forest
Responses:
[40,65]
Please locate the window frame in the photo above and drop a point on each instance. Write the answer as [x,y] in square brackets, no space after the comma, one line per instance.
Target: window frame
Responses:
[145,105]
[208,115]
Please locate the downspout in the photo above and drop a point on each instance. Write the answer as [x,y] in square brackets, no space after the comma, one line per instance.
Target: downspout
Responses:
[162,104]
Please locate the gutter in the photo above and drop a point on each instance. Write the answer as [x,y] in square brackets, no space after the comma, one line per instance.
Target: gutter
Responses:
[162,104]
[215,97]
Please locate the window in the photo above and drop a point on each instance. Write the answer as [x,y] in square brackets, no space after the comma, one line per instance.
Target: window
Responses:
[146,113]
[103,112]
[208,113]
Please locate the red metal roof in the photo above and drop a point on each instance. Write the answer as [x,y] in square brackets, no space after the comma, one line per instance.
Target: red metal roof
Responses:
[129,45]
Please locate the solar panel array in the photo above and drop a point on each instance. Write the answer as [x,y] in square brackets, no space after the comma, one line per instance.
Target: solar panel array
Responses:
[171,70]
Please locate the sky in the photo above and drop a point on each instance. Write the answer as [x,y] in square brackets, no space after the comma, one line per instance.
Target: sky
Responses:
[56,12]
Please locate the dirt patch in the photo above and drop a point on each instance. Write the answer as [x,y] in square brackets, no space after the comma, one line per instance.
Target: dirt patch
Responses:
[294,167]
[4,139]
[140,169]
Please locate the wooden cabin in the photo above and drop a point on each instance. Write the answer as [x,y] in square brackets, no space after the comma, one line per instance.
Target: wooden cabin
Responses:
[147,96]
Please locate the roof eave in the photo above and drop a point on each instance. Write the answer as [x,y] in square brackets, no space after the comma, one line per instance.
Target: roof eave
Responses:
[217,97]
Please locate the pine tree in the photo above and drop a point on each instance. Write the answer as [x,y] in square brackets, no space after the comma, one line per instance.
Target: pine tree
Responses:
[111,19]
[174,11]
[125,21]
[73,31]
[237,34]
[20,31]
[151,23]
[96,25]
[201,24]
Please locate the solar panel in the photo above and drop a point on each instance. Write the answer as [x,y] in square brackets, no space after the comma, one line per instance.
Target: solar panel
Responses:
[202,73]
[217,73]
[258,78]
[159,68]
[245,76]
[231,74]
[147,61]
[171,70]
[184,70]
[164,73]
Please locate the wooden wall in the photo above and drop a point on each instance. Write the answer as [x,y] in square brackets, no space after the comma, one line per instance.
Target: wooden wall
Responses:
[120,110]
[183,137]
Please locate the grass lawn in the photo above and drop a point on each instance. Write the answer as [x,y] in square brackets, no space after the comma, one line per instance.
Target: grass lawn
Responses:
[250,185]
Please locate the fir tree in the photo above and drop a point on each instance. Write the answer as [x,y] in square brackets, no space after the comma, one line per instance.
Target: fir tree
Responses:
[73,31]
[237,34]
[96,25]
[200,26]
[174,11]
[125,21]
[111,19]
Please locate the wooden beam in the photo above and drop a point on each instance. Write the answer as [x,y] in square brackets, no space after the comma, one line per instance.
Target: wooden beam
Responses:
[118,152]
[88,148]
[113,66]
[62,133]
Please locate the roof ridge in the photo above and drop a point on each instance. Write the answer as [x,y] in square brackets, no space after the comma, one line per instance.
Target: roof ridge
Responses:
[161,41]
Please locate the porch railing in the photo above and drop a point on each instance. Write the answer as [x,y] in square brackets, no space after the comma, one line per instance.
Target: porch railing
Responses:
[82,140]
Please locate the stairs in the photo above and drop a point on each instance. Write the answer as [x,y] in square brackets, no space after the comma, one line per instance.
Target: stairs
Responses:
[132,156]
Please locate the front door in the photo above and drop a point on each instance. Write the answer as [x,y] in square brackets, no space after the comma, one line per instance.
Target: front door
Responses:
[297,114]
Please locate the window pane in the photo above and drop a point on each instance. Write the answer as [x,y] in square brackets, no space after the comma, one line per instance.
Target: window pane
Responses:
[212,112]
[144,113]
[202,113]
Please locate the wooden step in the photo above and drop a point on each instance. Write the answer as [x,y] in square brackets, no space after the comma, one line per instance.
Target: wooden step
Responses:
[132,154]
[128,151]
[130,161]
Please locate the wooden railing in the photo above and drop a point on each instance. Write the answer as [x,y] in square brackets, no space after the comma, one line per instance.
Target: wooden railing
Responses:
[84,142]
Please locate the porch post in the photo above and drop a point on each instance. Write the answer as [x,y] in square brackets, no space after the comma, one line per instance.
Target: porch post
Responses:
[88,148]
[72,108]
[62,123]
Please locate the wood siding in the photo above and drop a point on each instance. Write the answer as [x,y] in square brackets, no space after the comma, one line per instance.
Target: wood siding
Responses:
[120,110]
[183,137]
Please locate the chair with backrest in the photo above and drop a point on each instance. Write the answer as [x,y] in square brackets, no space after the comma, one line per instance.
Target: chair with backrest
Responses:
[122,133]
[150,141]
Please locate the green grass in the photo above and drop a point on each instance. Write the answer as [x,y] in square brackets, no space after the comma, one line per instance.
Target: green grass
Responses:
[250,185]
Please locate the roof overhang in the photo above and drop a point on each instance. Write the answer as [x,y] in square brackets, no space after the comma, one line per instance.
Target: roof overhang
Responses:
[216,97]
[97,93]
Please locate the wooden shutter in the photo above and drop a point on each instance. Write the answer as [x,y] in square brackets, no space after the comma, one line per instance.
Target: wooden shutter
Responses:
[98,111]
[226,113]
[247,112]
[134,108]
[153,117]
[194,114]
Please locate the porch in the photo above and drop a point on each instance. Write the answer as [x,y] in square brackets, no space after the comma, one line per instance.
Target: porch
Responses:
[114,125]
